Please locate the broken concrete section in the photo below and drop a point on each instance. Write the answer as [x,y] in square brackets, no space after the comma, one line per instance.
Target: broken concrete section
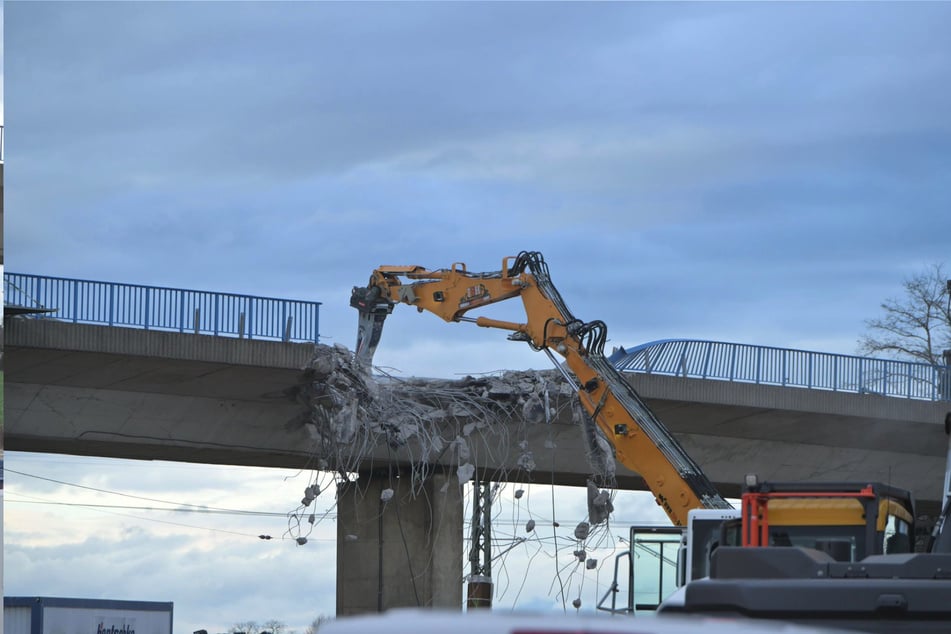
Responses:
[349,415]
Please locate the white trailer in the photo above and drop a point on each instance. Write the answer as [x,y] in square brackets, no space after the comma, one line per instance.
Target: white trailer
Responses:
[55,615]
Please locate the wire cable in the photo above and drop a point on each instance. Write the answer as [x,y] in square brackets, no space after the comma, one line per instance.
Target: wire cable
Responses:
[129,495]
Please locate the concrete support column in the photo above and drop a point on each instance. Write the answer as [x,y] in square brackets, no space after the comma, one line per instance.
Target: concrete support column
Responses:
[405,552]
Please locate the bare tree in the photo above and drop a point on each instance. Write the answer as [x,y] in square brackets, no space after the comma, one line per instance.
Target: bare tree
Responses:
[251,627]
[918,324]
[314,627]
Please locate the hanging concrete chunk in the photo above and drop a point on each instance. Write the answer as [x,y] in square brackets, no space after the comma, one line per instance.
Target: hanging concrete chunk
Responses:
[600,506]
[581,530]
[465,472]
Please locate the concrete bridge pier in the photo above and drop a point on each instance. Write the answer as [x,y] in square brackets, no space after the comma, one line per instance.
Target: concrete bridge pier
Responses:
[399,551]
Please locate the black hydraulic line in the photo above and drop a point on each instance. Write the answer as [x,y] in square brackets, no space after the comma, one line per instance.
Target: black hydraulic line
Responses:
[594,335]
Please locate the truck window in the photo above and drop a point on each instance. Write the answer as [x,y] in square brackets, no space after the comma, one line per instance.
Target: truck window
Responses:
[842,543]
[897,535]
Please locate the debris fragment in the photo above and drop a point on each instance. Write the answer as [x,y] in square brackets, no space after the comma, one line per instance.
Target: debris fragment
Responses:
[386,495]
[581,530]
[462,448]
[310,494]
[533,411]
[599,450]
[465,472]
[600,506]
[519,493]
[591,564]
[529,526]
[526,461]
[576,603]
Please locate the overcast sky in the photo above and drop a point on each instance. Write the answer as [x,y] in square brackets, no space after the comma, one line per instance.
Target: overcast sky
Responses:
[752,172]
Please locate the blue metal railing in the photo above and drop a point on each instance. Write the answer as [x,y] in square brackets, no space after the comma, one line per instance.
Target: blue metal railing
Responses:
[158,308]
[791,368]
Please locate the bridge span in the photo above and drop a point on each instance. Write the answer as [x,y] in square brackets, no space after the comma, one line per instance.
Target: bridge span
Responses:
[81,386]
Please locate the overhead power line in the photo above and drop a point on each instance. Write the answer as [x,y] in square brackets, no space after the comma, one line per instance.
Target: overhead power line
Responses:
[102,508]
[153,508]
[147,499]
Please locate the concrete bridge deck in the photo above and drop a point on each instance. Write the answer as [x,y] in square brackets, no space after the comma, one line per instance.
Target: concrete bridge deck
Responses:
[130,393]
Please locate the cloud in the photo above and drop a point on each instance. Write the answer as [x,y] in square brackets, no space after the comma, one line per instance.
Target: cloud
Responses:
[753,172]
[211,566]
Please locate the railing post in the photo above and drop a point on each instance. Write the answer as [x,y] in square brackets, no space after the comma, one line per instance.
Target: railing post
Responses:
[181,311]
[148,297]
[250,318]
[217,315]
[75,287]
[316,323]
[861,386]
[241,326]
[835,373]
[284,318]
[759,363]
[732,362]
[287,328]
[39,288]
[809,370]
[197,319]
[112,303]
[784,367]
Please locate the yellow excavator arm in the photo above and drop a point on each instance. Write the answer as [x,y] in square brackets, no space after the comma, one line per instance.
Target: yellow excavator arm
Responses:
[640,441]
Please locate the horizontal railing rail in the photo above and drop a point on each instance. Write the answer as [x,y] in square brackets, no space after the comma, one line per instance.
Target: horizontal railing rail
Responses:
[789,368]
[159,308]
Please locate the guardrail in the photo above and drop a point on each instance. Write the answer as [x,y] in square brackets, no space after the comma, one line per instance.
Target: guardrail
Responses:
[789,368]
[158,308]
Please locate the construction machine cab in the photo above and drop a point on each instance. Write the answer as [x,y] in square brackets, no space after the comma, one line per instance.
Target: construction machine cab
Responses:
[845,520]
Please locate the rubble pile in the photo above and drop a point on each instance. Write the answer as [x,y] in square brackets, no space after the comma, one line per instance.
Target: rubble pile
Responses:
[348,413]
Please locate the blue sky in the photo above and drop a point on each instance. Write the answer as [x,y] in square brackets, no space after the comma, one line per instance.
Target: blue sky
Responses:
[762,173]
